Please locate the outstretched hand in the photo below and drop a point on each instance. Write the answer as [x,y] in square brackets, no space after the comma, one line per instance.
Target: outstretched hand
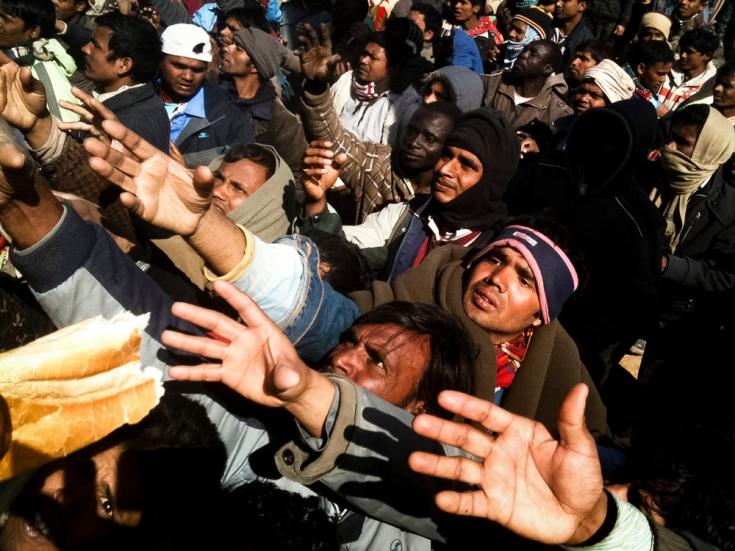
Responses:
[540,488]
[254,358]
[157,188]
[15,168]
[321,166]
[92,112]
[317,58]
[22,97]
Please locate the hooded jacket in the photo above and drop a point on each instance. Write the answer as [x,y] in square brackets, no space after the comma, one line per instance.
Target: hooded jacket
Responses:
[594,190]
[264,213]
[466,86]
[546,107]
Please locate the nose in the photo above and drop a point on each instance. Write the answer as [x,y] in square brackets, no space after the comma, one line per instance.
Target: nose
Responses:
[349,361]
[448,168]
[187,75]
[430,97]
[219,190]
[499,277]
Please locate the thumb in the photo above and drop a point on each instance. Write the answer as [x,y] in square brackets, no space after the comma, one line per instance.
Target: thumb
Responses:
[572,429]
[339,160]
[203,181]
[11,157]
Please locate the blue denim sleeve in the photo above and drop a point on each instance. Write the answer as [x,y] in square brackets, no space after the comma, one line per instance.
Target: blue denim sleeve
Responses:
[283,278]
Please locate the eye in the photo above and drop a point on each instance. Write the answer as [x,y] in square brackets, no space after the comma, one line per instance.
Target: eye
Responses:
[107,506]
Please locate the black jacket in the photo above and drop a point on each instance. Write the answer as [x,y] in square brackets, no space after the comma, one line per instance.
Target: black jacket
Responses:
[224,124]
[611,10]
[141,110]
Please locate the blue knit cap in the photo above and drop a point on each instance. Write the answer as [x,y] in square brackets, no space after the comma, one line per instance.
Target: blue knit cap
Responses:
[556,278]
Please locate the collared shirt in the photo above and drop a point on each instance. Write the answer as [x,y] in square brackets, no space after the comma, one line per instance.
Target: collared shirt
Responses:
[181,113]
[107,95]
[676,90]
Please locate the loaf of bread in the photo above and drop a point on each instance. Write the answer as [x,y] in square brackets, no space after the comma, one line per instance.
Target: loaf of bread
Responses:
[70,389]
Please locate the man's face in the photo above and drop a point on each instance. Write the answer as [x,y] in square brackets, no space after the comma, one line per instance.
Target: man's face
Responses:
[77,503]
[181,77]
[464,10]
[683,138]
[66,9]
[649,34]
[236,61]
[687,8]
[424,140]
[501,294]
[14,31]
[654,75]
[568,9]
[456,171]
[724,92]
[384,359]
[580,63]
[235,182]
[531,63]
[588,96]
[230,27]
[693,61]
[373,64]
[97,67]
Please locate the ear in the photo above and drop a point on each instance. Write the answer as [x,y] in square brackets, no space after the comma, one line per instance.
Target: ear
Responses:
[428,36]
[35,31]
[583,5]
[476,9]
[416,406]
[639,69]
[538,321]
[123,66]
[548,69]
[80,6]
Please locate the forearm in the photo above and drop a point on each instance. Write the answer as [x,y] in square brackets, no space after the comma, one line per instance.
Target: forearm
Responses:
[31,216]
[312,406]
[219,241]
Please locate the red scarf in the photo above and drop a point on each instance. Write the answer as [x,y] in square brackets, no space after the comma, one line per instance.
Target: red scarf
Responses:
[485,25]
[509,356]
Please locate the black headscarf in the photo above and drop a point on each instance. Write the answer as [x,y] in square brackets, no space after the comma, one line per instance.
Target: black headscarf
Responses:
[487,134]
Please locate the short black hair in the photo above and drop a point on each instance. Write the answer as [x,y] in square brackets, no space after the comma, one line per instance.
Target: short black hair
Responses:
[650,53]
[452,349]
[598,49]
[135,38]
[432,17]
[348,268]
[694,115]
[251,14]
[702,39]
[553,53]
[253,152]
[32,12]
[727,70]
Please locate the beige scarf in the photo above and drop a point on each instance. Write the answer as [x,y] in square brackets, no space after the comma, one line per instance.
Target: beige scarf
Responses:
[684,175]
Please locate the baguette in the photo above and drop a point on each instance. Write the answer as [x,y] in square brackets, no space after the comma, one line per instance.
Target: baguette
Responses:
[49,411]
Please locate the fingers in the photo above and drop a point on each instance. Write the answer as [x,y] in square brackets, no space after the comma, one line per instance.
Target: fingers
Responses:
[211,373]
[573,431]
[201,346]
[95,105]
[249,312]
[489,415]
[473,504]
[85,114]
[137,145]
[451,468]
[326,37]
[78,126]
[459,435]
[207,319]
[11,156]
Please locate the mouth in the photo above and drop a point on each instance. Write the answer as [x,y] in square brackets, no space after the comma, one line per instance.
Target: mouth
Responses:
[484,299]
[442,184]
[36,529]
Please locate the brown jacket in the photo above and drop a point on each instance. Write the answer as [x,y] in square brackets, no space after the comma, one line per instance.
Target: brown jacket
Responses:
[552,365]
[546,107]
[368,172]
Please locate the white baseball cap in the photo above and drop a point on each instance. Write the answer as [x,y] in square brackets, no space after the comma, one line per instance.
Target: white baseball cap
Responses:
[187,40]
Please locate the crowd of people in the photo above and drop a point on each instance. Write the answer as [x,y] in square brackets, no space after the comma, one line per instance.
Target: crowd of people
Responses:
[394,254]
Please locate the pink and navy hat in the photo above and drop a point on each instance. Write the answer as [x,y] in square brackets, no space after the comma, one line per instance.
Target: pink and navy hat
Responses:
[556,278]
